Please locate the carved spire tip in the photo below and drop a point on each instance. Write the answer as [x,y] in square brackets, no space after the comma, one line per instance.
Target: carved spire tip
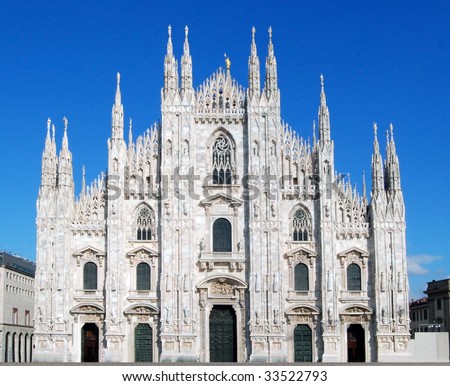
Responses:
[186,31]
[169,30]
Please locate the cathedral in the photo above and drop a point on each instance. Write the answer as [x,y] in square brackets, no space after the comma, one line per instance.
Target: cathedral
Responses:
[220,235]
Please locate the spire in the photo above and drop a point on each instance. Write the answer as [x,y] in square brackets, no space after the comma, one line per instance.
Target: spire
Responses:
[377,165]
[48,140]
[130,134]
[186,65]
[65,176]
[117,113]
[83,181]
[271,69]
[49,160]
[170,67]
[364,187]
[254,81]
[314,134]
[65,142]
[392,168]
[324,115]
[169,41]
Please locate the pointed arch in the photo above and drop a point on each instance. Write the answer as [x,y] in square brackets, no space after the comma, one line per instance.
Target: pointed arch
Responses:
[144,224]
[222,157]
[301,224]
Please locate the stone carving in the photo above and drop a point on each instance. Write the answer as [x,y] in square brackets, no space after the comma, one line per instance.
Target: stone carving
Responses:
[168,315]
[202,245]
[186,314]
[113,315]
[222,288]
[276,314]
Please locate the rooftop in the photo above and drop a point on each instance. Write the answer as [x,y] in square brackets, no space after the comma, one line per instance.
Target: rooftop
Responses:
[18,263]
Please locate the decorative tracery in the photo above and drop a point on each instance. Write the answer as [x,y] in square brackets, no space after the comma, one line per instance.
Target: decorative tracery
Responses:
[145,224]
[221,161]
[301,227]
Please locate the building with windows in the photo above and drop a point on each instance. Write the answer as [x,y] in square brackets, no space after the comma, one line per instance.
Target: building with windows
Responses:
[418,311]
[220,235]
[438,292]
[16,308]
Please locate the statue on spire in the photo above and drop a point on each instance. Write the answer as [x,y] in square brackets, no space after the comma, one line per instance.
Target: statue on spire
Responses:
[227,61]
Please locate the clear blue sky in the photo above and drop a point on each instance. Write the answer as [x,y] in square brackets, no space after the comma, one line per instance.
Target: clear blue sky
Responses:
[383,61]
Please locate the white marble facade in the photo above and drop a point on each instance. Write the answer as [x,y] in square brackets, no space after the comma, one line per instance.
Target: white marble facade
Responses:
[221,209]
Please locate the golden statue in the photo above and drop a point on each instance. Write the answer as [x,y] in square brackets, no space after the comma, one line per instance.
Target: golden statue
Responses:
[227,61]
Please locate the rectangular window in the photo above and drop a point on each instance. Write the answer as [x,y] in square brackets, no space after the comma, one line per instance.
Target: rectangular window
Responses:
[15,316]
[413,316]
[439,304]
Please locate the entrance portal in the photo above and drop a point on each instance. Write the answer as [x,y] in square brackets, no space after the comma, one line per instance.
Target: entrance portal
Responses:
[143,343]
[222,334]
[356,345]
[89,343]
[302,343]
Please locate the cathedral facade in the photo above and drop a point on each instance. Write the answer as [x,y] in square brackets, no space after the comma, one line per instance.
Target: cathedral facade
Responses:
[220,235]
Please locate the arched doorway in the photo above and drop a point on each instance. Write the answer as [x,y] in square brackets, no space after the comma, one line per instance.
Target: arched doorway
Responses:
[302,343]
[222,334]
[89,343]
[356,351]
[143,343]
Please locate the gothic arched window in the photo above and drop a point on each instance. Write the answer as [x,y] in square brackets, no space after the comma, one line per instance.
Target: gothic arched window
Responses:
[221,161]
[300,226]
[221,235]
[145,224]
[143,277]
[353,277]
[90,276]
[301,277]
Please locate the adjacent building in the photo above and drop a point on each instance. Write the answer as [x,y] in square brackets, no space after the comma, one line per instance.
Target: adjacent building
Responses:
[220,235]
[16,308]
[418,311]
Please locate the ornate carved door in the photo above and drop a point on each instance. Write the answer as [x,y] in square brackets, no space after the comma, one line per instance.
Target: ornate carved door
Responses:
[302,343]
[222,334]
[143,343]
[89,343]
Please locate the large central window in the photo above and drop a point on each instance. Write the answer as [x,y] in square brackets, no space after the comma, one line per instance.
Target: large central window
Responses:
[221,161]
